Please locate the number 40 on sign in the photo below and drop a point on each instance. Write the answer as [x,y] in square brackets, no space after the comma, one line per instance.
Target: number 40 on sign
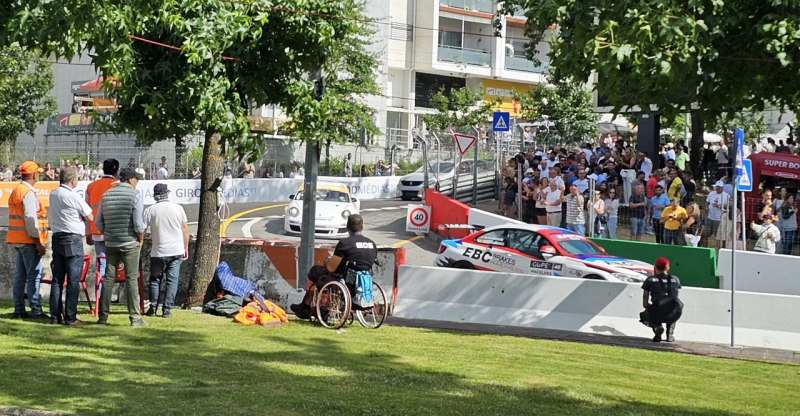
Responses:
[418,219]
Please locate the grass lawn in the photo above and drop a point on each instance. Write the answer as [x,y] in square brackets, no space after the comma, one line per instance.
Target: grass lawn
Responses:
[197,364]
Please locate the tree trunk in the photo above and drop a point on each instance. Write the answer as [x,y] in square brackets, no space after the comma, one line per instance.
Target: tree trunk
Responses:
[696,145]
[180,152]
[207,246]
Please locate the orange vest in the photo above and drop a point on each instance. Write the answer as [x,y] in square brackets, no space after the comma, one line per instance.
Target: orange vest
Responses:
[17,233]
[95,192]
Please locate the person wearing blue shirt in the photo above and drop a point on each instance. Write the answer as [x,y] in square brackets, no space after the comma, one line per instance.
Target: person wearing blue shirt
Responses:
[658,202]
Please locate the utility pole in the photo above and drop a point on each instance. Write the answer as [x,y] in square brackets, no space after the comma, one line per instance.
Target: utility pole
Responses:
[308,227]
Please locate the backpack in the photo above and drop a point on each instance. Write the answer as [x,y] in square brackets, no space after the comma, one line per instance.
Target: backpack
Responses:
[363,295]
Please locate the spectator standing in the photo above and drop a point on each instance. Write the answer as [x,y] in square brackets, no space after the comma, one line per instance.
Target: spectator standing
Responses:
[694,224]
[121,220]
[348,165]
[670,152]
[673,217]
[582,182]
[68,211]
[599,207]
[96,173]
[644,164]
[576,216]
[163,173]
[169,231]
[510,198]
[250,171]
[94,195]
[553,200]
[661,302]
[689,188]
[140,170]
[681,158]
[787,216]
[612,212]
[27,233]
[195,173]
[725,232]
[715,203]
[721,157]
[659,202]
[227,168]
[541,208]
[768,235]
[675,186]
[7,175]
[638,207]
[530,190]
[49,172]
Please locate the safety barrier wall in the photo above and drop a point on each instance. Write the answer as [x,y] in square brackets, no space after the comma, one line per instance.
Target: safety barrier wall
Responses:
[695,266]
[760,272]
[445,210]
[488,219]
[270,264]
[590,306]
[187,191]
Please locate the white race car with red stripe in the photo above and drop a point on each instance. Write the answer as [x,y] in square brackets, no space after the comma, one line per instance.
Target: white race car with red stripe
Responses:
[540,250]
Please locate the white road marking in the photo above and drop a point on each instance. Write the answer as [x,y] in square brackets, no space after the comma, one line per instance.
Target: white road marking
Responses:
[370,210]
[248,225]
[390,208]
[274,217]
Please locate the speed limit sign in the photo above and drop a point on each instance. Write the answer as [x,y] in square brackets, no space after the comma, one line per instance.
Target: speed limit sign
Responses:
[418,219]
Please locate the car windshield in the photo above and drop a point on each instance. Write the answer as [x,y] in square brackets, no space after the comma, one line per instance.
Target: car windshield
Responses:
[577,247]
[444,167]
[326,195]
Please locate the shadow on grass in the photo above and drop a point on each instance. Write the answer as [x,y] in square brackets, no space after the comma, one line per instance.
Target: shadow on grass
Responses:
[169,370]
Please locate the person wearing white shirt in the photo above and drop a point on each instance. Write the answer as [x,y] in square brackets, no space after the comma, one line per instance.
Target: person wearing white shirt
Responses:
[670,152]
[768,235]
[552,200]
[715,202]
[163,173]
[169,231]
[139,170]
[644,164]
[582,182]
[67,214]
[6,175]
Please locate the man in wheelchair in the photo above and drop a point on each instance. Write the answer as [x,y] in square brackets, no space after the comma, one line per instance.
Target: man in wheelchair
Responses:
[352,254]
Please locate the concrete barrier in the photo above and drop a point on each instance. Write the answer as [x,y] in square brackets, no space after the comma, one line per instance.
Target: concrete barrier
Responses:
[609,308]
[760,272]
[488,219]
[270,264]
[445,210]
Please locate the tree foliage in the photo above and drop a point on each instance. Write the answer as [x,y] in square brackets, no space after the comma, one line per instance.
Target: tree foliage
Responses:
[566,104]
[751,122]
[462,108]
[25,85]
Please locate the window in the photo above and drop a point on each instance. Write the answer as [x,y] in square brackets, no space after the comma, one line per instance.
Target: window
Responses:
[450,38]
[492,238]
[401,31]
[326,195]
[526,242]
[580,247]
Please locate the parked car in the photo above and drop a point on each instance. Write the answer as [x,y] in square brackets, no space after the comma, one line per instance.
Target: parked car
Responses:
[410,186]
[334,205]
[540,250]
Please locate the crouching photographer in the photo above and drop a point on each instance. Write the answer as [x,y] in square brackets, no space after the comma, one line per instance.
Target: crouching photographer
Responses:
[660,300]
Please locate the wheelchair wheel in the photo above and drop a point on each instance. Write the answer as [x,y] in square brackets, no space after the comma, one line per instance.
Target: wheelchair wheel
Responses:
[333,305]
[374,317]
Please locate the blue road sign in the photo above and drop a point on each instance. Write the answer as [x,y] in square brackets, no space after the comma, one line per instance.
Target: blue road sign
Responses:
[746,178]
[501,121]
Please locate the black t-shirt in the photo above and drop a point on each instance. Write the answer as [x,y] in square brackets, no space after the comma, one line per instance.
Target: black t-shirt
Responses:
[659,286]
[360,251]
[637,212]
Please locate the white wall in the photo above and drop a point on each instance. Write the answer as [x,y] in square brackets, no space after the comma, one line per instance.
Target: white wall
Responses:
[760,272]
[487,219]
[590,306]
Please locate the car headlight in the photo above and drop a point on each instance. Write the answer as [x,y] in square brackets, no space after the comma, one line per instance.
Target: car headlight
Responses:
[293,212]
[629,278]
[345,214]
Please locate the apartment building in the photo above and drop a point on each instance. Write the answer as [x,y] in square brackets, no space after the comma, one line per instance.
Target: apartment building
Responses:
[435,44]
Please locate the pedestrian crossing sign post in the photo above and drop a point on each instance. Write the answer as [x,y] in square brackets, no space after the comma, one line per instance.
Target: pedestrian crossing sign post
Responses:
[501,121]
[746,177]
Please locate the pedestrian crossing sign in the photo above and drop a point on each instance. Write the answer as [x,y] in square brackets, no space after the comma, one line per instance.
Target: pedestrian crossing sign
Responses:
[501,121]
[745,183]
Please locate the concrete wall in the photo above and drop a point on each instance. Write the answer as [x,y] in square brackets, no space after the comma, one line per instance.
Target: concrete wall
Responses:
[760,272]
[270,264]
[590,306]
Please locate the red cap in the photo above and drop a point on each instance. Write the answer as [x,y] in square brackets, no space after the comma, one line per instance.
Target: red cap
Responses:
[662,263]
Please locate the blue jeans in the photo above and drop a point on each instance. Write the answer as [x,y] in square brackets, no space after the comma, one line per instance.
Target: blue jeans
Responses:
[787,241]
[611,228]
[100,250]
[578,228]
[27,274]
[671,237]
[67,260]
[159,266]
[637,226]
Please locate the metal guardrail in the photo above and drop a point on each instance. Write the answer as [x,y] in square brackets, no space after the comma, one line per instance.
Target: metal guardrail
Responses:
[486,186]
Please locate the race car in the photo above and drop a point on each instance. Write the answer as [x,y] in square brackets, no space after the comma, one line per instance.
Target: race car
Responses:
[334,206]
[540,250]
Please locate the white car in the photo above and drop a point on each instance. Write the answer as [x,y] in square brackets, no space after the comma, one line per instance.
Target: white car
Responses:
[540,250]
[410,186]
[334,205]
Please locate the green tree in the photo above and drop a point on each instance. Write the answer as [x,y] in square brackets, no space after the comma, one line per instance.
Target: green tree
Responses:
[751,122]
[25,101]
[711,56]
[187,66]
[462,108]
[566,104]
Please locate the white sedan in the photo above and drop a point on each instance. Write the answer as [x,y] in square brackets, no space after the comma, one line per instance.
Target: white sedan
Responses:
[334,206]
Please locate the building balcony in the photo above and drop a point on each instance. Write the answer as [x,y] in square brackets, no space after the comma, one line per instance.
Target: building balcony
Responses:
[464,56]
[485,6]
[517,63]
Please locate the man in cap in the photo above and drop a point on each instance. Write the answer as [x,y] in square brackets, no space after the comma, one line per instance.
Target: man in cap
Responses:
[27,233]
[69,214]
[169,231]
[767,233]
[661,302]
[120,219]
[716,202]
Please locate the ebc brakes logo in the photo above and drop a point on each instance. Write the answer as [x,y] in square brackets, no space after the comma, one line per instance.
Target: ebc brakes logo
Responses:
[488,257]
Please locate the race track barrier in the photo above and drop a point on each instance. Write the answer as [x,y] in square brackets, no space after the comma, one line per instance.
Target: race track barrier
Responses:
[760,272]
[590,306]
[695,266]
[445,210]
[235,191]
[270,264]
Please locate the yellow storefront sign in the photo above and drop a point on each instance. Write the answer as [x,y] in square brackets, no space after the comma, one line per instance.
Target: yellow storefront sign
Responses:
[505,90]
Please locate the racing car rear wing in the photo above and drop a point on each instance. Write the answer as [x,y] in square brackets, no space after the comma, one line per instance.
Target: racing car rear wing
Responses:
[469,227]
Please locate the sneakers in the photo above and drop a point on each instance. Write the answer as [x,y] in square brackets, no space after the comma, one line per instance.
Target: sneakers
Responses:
[76,322]
[20,315]
[165,313]
[139,323]
[101,322]
[658,331]
[301,310]
[55,321]
[151,311]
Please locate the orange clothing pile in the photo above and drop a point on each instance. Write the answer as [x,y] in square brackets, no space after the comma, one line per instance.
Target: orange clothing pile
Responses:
[254,313]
